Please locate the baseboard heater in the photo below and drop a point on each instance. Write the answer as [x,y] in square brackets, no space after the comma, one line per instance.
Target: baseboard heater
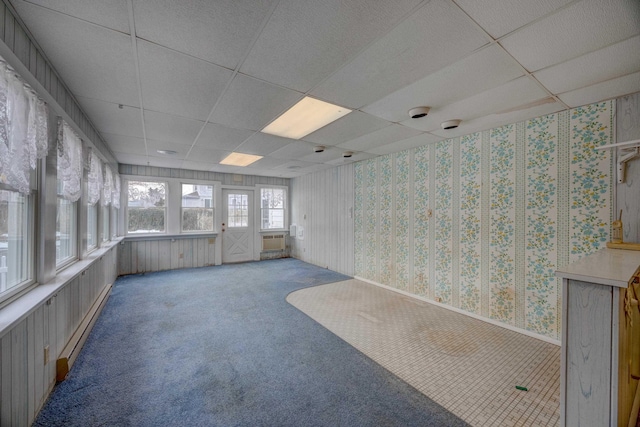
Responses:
[70,352]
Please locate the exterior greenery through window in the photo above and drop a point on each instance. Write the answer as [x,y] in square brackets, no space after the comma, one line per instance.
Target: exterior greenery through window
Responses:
[197,207]
[272,203]
[146,207]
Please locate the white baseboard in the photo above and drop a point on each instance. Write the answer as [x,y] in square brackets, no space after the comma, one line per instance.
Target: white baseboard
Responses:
[466,313]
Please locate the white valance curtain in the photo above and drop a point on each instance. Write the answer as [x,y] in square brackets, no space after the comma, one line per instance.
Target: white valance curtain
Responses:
[115,196]
[94,184]
[69,162]
[107,186]
[23,130]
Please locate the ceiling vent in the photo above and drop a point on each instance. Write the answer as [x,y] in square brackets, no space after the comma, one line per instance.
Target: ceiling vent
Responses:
[451,124]
[418,112]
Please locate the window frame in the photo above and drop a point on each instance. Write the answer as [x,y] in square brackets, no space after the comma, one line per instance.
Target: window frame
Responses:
[285,208]
[64,263]
[167,204]
[212,208]
[31,281]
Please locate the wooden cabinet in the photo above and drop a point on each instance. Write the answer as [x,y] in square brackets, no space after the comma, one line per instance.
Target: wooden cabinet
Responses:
[599,338]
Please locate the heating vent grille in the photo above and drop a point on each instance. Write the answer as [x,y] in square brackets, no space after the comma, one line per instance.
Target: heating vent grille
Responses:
[274,242]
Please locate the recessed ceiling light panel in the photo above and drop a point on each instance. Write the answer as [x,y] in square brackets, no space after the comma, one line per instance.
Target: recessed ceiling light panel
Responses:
[240,159]
[167,152]
[307,116]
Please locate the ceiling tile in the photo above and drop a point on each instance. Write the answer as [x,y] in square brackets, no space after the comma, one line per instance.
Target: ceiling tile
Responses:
[606,90]
[93,61]
[218,137]
[329,154]
[219,32]
[108,117]
[349,127]
[307,40]
[294,150]
[380,137]
[604,64]
[495,120]
[515,94]
[125,144]
[416,141]
[165,127]
[355,158]
[199,154]
[498,17]
[268,163]
[583,27]
[196,166]
[252,104]
[178,84]
[293,165]
[262,144]
[483,70]
[435,36]
[112,14]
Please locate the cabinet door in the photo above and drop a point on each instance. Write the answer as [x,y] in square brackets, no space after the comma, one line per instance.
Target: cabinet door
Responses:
[588,386]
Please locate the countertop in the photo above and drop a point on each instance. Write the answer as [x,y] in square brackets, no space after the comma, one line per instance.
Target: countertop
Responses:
[612,267]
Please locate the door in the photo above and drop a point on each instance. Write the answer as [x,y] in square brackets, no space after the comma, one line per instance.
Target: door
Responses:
[237,225]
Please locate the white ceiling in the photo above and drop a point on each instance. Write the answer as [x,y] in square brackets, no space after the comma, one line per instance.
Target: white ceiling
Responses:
[202,77]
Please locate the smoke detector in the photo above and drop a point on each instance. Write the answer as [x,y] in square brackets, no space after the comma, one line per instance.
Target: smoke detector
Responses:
[418,112]
[451,124]
[347,154]
[319,148]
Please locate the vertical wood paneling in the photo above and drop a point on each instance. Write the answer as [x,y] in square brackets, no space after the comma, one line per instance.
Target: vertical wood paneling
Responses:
[327,199]
[628,129]
[142,256]
[25,378]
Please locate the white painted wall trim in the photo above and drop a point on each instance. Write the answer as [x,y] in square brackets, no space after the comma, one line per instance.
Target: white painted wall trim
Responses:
[466,313]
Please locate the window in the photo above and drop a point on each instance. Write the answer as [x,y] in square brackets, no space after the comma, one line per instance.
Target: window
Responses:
[197,207]
[105,223]
[66,234]
[272,203]
[92,226]
[238,210]
[16,239]
[146,207]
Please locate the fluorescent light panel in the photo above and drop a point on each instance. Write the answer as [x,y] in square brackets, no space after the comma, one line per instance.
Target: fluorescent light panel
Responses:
[240,159]
[307,116]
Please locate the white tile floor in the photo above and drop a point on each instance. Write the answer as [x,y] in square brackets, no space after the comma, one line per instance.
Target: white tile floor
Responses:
[468,366]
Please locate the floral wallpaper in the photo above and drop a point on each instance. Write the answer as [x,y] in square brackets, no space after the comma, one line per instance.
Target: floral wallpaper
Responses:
[481,222]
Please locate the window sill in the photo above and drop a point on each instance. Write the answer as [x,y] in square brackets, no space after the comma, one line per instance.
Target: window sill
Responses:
[134,237]
[23,306]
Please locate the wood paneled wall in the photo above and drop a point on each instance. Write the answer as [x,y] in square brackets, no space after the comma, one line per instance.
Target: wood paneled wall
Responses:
[628,193]
[224,178]
[322,203]
[144,256]
[26,378]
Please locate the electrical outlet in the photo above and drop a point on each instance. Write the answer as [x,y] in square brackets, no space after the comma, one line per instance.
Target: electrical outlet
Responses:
[46,355]
[180,256]
[438,299]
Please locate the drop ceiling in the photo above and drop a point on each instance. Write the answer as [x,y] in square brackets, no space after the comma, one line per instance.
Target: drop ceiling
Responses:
[202,78]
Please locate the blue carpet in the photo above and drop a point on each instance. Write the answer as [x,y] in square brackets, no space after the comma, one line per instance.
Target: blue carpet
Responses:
[220,346]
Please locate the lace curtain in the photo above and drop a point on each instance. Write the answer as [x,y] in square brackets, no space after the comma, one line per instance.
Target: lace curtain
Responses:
[69,162]
[94,184]
[107,186]
[115,196]
[23,130]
